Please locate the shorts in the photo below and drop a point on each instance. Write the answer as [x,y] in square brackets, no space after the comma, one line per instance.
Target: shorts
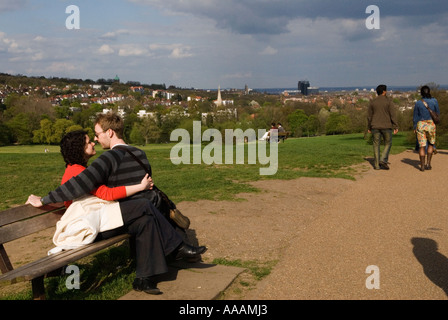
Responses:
[426,131]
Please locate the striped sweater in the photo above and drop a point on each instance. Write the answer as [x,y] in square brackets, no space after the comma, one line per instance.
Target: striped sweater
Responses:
[113,168]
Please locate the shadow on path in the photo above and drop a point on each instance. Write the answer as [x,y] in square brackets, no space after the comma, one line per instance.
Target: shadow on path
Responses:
[435,264]
[412,162]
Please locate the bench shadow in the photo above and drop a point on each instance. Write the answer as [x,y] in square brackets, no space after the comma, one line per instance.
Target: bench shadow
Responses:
[435,264]
[175,266]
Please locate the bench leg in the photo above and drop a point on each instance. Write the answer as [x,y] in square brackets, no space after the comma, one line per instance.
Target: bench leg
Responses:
[5,263]
[38,288]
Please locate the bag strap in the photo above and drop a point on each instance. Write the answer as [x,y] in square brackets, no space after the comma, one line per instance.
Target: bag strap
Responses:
[170,204]
[135,158]
[425,104]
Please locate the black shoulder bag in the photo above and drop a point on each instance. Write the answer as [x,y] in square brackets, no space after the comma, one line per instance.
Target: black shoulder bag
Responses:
[164,204]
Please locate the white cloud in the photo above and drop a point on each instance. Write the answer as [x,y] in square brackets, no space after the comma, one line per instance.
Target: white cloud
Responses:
[57,67]
[37,56]
[105,49]
[238,75]
[11,5]
[132,50]
[180,52]
[267,17]
[39,39]
[262,43]
[175,51]
[8,44]
[113,35]
[162,46]
[269,51]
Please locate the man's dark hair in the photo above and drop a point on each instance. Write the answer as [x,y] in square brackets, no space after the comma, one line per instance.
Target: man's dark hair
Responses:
[380,89]
[73,148]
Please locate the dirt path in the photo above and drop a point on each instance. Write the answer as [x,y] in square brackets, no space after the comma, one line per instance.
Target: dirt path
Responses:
[326,232]
[322,234]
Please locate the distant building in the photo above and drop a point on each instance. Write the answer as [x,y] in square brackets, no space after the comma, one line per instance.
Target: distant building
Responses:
[145,114]
[137,89]
[313,90]
[305,88]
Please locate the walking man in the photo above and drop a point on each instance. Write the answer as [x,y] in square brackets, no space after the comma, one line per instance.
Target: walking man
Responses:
[382,122]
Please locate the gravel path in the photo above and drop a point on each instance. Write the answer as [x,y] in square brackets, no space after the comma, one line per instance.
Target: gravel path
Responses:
[322,234]
[325,233]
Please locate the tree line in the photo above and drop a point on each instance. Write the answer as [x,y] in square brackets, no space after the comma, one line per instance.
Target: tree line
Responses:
[32,119]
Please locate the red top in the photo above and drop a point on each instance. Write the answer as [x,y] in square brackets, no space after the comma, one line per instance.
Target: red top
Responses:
[102,192]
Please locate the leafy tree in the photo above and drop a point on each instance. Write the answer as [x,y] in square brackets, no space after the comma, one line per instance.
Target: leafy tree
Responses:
[323,116]
[145,131]
[130,121]
[5,135]
[76,127]
[297,122]
[312,125]
[43,135]
[21,128]
[60,129]
[62,111]
[337,123]
[168,124]
[135,135]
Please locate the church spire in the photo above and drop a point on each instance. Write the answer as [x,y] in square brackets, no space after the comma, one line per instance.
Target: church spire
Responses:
[219,100]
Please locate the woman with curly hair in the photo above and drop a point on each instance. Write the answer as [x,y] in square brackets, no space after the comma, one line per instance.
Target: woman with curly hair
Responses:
[87,217]
[77,149]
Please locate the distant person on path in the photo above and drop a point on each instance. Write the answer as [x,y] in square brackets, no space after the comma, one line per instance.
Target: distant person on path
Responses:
[424,126]
[382,121]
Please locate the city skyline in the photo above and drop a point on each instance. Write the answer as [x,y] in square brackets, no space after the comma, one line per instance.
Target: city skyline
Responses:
[206,44]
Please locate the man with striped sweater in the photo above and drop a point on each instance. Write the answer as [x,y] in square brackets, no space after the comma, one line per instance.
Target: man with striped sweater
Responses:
[155,237]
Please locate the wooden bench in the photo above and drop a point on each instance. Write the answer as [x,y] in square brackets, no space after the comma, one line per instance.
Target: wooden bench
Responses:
[281,135]
[24,220]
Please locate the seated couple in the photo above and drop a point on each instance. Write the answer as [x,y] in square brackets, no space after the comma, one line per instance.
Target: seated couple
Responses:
[114,176]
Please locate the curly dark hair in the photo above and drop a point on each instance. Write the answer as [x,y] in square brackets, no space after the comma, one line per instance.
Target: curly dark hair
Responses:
[73,146]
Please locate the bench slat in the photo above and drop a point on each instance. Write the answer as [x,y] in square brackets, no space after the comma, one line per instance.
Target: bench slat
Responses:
[50,263]
[23,228]
[26,211]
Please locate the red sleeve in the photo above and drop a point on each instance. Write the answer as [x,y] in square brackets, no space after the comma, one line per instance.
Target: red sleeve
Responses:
[107,193]
[102,192]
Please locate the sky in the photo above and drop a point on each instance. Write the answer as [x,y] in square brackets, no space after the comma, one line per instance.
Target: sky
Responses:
[232,43]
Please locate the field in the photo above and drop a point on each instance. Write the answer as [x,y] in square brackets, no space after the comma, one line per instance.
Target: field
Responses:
[29,170]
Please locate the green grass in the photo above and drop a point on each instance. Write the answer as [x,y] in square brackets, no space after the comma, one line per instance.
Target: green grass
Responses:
[257,269]
[27,169]
[107,275]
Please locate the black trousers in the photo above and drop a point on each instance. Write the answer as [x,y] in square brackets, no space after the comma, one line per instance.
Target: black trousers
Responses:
[155,238]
